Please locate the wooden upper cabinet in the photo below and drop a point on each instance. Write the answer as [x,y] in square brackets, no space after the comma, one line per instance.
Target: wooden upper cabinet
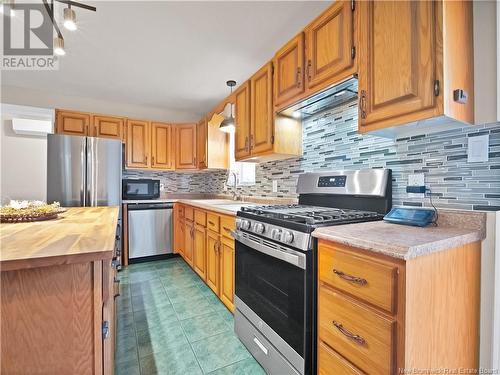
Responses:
[108,127]
[138,144]
[397,59]
[289,71]
[161,146]
[185,146]
[72,123]
[202,144]
[262,121]
[242,120]
[330,46]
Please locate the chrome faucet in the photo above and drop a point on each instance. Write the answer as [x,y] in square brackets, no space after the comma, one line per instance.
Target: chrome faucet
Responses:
[234,193]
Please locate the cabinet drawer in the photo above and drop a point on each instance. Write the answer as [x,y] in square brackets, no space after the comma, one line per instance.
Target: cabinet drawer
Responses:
[200,217]
[189,213]
[213,222]
[358,333]
[330,362]
[227,225]
[370,280]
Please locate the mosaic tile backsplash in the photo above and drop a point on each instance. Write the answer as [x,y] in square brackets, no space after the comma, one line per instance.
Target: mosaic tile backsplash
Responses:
[331,142]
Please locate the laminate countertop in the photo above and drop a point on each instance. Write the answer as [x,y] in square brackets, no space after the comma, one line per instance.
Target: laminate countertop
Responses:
[454,229]
[81,234]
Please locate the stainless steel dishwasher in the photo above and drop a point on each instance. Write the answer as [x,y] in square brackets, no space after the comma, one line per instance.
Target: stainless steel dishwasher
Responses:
[150,229]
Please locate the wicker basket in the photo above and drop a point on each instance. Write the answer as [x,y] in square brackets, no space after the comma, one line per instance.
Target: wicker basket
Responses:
[22,217]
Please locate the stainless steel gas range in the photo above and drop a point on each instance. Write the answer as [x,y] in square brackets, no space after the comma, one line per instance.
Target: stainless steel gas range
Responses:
[275,293]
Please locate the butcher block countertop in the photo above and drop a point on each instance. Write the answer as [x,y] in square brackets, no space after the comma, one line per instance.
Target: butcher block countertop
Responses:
[81,234]
[454,229]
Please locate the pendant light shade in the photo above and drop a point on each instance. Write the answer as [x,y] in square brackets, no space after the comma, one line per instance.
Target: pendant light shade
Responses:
[228,124]
[59,46]
[70,19]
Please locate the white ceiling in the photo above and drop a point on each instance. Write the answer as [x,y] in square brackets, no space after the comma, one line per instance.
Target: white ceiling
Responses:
[165,54]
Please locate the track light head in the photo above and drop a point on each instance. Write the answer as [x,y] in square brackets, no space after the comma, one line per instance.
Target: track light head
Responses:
[70,19]
[59,46]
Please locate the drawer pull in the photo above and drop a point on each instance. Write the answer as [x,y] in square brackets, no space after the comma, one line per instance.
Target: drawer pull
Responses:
[211,223]
[358,339]
[351,279]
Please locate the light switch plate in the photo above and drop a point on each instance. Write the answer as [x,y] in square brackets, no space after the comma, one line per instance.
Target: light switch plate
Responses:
[417,179]
[275,186]
[477,148]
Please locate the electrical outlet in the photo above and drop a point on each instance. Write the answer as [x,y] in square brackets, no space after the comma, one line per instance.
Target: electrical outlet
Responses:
[416,180]
[275,186]
[225,186]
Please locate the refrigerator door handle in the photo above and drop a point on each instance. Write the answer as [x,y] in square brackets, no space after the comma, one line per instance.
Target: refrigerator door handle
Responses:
[90,172]
[83,185]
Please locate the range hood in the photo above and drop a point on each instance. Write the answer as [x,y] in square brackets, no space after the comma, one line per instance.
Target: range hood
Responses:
[331,97]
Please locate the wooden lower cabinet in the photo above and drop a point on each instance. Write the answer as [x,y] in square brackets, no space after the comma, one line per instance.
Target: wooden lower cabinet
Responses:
[209,250]
[199,256]
[213,264]
[188,242]
[226,254]
[179,229]
[53,317]
[360,332]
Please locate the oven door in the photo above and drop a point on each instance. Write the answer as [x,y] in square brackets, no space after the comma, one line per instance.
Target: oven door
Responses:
[272,281]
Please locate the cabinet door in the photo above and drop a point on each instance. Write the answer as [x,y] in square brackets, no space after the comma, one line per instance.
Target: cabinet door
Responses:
[397,61]
[202,143]
[108,127]
[200,258]
[213,261]
[242,120]
[227,272]
[261,104]
[185,146]
[72,123]
[161,148]
[138,144]
[329,45]
[289,71]
[178,228]
[188,242]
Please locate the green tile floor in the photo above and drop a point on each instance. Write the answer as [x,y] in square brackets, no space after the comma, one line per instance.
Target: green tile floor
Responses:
[170,322]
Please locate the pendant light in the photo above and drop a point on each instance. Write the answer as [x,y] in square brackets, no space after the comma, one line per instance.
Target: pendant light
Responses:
[59,46]
[69,19]
[228,124]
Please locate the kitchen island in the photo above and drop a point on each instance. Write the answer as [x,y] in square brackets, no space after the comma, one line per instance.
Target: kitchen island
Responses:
[57,288]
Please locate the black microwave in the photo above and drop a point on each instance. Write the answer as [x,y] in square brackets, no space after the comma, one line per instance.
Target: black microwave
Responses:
[142,188]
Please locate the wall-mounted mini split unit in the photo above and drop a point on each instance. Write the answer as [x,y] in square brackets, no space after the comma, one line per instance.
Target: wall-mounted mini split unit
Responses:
[24,126]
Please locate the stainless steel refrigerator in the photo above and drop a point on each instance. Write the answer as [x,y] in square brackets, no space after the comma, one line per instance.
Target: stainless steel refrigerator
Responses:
[84,171]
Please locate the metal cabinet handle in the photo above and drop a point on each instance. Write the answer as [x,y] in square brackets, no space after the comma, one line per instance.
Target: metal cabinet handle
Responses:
[309,64]
[362,104]
[356,338]
[211,222]
[246,144]
[297,78]
[351,279]
[194,160]
[252,143]
[146,160]
[152,160]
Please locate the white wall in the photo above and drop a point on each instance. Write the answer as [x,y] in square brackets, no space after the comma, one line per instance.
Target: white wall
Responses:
[51,99]
[485,62]
[23,158]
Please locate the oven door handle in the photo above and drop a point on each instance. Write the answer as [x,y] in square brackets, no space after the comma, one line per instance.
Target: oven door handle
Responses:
[298,260]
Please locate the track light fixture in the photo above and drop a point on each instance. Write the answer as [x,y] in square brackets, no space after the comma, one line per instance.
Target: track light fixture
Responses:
[59,46]
[69,20]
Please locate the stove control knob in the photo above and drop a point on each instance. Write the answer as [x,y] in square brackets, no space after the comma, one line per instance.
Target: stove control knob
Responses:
[259,228]
[287,237]
[245,224]
[276,234]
